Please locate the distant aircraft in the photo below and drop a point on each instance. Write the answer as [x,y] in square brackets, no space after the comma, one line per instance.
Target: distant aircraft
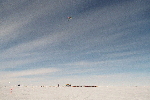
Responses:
[69,18]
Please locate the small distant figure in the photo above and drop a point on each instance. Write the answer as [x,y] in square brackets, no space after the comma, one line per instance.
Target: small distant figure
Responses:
[10,90]
[58,85]
[18,84]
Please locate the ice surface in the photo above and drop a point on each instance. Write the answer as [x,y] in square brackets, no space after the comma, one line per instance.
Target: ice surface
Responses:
[74,93]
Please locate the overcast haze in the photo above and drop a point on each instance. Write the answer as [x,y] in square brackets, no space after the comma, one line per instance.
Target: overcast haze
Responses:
[107,42]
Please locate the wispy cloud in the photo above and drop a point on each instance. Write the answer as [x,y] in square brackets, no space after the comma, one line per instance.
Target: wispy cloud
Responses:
[119,79]
[21,17]
[12,76]
[13,63]
[34,72]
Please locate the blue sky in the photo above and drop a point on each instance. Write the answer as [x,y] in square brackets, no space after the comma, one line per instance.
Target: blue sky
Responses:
[107,42]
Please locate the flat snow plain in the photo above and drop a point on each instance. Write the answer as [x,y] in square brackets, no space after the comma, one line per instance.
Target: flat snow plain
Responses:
[74,93]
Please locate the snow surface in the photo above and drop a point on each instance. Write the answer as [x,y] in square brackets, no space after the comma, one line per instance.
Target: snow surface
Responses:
[74,93]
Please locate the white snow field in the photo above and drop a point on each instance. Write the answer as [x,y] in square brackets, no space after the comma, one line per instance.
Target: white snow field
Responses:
[74,93]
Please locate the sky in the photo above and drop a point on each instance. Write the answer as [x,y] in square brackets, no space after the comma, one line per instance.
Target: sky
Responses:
[106,43]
